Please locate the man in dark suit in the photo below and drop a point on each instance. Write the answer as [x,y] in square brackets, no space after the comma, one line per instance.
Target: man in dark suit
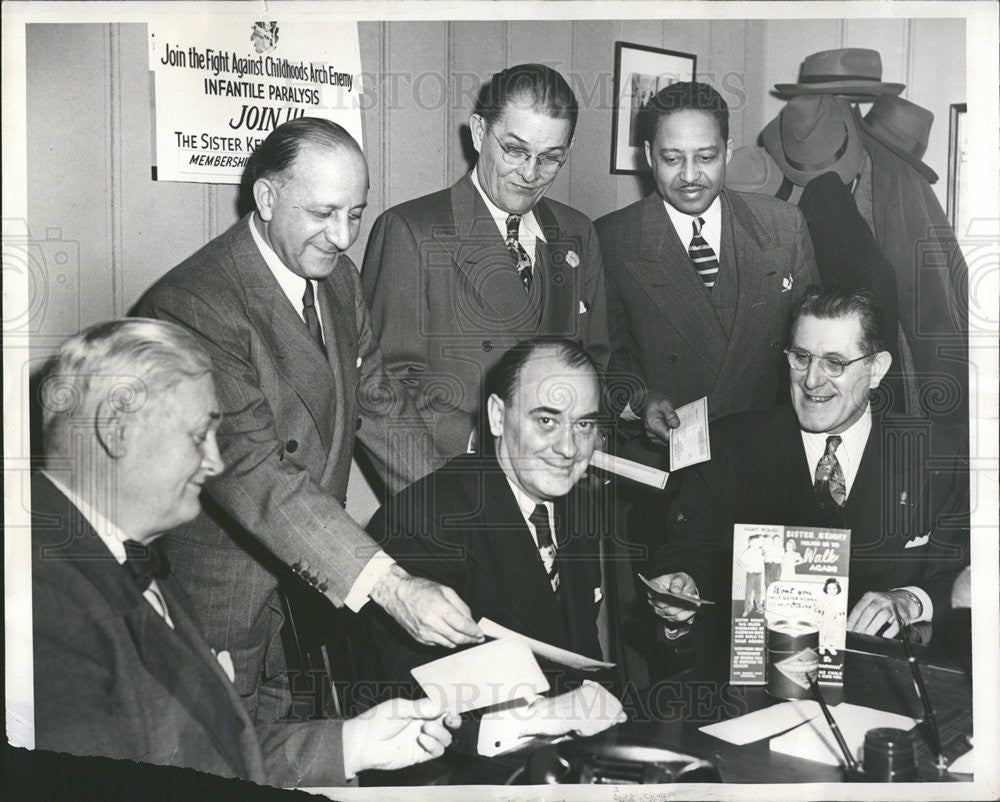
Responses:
[700,280]
[510,530]
[899,484]
[121,668]
[279,309]
[456,277]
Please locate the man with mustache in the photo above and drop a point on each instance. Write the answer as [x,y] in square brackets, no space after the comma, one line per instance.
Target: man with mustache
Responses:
[455,278]
[700,280]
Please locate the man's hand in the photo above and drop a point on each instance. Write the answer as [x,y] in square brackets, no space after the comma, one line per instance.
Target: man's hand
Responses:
[396,733]
[432,614]
[658,418]
[677,617]
[875,613]
[584,711]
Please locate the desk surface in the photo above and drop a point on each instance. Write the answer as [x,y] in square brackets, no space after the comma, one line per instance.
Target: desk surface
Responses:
[669,714]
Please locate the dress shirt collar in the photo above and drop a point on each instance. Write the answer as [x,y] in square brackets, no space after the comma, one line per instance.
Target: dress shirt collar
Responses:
[849,453]
[529,230]
[527,506]
[293,286]
[711,232]
[109,533]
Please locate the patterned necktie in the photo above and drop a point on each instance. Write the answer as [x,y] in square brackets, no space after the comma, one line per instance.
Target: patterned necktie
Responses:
[144,563]
[546,548]
[311,318]
[522,262]
[830,487]
[701,253]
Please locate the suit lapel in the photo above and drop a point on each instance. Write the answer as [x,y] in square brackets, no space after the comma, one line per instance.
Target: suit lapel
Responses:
[484,263]
[556,274]
[673,285]
[508,555]
[341,346]
[297,356]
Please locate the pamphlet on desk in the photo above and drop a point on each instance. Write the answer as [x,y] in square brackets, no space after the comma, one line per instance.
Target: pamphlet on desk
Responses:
[789,600]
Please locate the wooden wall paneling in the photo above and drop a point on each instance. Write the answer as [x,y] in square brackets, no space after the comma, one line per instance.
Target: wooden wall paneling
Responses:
[477,50]
[726,71]
[937,78]
[789,41]
[592,79]
[161,222]
[415,120]
[548,42]
[70,226]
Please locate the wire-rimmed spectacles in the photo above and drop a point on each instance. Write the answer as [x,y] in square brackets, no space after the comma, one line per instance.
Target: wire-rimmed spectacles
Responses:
[801,360]
[517,157]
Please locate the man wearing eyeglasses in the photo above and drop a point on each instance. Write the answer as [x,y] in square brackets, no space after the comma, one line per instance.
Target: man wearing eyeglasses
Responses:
[899,484]
[455,278]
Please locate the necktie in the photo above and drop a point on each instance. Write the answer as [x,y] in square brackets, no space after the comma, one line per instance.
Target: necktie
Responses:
[144,563]
[701,253]
[830,487]
[311,318]
[539,518]
[522,262]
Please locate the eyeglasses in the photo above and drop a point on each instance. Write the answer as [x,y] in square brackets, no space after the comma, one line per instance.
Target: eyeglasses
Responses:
[801,360]
[516,157]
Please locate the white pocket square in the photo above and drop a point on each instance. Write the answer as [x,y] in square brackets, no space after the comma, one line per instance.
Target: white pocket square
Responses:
[359,362]
[226,661]
[584,308]
[917,541]
[598,595]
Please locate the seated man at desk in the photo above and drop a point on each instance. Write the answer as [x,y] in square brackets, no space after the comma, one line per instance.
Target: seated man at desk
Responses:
[121,668]
[511,530]
[899,484]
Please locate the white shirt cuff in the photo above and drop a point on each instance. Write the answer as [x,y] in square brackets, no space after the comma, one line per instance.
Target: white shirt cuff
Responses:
[376,568]
[927,611]
[628,414]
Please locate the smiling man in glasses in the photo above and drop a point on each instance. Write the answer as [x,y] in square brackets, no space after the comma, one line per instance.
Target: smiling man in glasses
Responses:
[455,278]
[899,484]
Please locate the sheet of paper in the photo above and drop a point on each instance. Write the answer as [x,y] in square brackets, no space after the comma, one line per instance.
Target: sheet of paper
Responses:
[763,723]
[814,740]
[689,443]
[963,764]
[635,471]
[492,673]
[553,653]
[667,595]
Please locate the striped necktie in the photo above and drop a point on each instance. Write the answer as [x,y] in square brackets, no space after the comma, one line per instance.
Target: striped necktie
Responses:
[701,253]
[522,262]
[830,487]
[539,519]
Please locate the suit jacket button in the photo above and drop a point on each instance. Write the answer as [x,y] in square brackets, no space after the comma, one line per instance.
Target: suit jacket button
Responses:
[671,357]
[291,446]
[322,586]
[487,345]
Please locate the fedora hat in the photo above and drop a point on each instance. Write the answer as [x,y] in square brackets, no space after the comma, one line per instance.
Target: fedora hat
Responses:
[812,135]
[903,127]
[751,169]
[854,72]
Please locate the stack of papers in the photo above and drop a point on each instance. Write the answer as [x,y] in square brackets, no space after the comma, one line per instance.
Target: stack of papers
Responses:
[763,723]
[814,740]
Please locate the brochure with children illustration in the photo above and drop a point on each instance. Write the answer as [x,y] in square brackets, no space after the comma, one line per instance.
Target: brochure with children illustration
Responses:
[789,605]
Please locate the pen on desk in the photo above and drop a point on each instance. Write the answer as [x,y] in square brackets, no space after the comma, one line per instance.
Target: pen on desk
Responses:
[851,762]
[925,700]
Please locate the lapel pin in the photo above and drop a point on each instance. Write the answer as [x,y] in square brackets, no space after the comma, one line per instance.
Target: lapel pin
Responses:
[903,497]
[786,283]
[572,259]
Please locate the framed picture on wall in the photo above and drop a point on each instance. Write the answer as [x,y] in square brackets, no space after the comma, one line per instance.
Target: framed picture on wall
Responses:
[957,172]
[640,72]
